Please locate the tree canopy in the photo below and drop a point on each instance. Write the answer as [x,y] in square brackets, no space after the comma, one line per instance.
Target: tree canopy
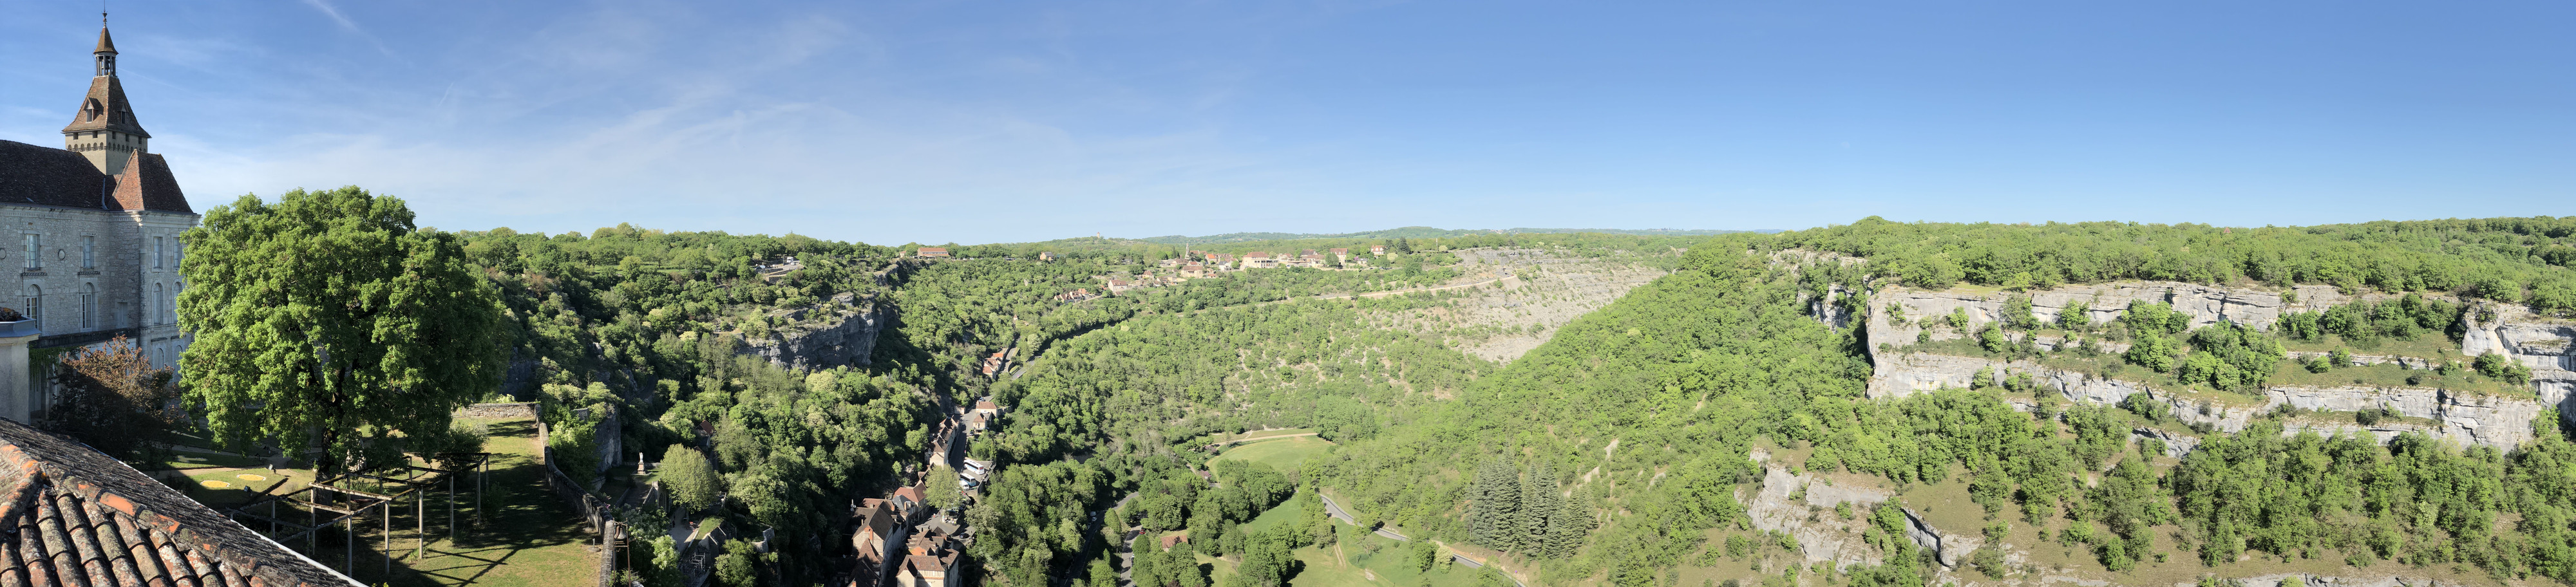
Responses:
[328,319]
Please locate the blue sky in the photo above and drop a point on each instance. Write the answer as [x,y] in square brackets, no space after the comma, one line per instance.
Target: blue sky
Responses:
[888,122]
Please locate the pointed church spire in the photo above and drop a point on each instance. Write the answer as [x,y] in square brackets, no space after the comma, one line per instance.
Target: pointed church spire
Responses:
[106,50]
[104,127]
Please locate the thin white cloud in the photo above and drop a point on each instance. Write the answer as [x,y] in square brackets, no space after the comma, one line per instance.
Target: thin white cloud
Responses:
[350,25]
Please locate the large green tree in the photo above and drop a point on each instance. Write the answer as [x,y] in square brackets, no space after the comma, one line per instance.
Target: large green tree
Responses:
[328,319]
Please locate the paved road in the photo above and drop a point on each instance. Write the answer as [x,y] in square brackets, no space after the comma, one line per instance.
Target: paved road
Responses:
[1335,510]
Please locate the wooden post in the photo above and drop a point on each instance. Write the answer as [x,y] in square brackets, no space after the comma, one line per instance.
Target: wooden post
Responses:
[451,507]
[388,507]
[420,525]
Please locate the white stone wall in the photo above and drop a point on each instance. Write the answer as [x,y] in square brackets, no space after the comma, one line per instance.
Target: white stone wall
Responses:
[134,290]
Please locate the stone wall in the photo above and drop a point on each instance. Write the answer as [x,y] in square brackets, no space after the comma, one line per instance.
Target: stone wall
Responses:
[508,410]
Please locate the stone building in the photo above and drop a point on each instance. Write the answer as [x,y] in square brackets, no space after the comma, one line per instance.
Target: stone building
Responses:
[93,228]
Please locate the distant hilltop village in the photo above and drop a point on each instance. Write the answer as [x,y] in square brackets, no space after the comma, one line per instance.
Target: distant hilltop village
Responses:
[97,226]
[1202,264]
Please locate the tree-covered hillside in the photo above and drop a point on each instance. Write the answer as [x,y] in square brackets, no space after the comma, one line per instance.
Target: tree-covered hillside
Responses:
[2505,259]
[1619,452]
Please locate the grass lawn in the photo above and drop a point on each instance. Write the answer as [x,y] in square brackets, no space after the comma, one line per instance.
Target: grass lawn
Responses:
[1351,562]
[193,460]
[1288,512]
[1283,454]
[527,536]
[1357,558]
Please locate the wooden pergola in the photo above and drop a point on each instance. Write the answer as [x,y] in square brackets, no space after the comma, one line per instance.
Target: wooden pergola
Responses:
[347,506]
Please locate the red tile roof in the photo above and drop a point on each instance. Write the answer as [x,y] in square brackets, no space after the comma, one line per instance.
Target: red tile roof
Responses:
[148,185]
[70,515]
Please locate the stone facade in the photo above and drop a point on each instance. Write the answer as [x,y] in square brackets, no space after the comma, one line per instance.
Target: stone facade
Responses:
[93,231]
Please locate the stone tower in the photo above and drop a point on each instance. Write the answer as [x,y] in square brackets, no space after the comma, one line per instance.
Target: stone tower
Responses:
[104,129]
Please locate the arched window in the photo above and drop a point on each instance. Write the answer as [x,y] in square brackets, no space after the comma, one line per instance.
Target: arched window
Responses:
[89,306]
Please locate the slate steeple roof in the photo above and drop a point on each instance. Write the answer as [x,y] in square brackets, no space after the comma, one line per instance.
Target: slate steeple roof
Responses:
[105,108]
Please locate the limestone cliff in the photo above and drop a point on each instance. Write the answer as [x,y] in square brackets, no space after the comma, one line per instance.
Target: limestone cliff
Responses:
[2539,342]
[842,333]
[2502,422]
[2207,305]
[1794,503]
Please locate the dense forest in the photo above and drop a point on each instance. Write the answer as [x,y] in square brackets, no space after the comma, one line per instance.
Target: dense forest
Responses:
[1617,452]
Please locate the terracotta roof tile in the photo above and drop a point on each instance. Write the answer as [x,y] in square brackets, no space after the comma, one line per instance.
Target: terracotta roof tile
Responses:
[148,185]
[73,516]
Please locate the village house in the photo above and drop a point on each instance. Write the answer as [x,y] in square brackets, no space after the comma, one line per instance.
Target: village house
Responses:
[931,252]
[98,245]
[1259,260]
[1194,270]
[880,525]
[1377,250]
[1046,256]
[878,529]
[930,560]
[1342,255]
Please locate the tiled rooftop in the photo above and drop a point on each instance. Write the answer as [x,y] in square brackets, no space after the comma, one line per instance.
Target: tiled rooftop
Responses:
[70,515]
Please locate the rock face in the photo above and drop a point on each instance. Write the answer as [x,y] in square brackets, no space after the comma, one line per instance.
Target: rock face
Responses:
[1798,505]
[2207,305]
[2502,422]
[822,338]
[2544,344]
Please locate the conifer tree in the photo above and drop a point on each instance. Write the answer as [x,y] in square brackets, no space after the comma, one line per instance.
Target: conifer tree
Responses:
[1538,504]
[1496,495]
[1566,528]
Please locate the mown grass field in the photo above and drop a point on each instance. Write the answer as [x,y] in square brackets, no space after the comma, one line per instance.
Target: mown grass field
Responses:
[1283,454]
[527,537]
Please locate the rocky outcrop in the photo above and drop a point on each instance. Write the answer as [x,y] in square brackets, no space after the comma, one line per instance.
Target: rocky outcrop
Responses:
[2546,345]
[1822,536]
[2502,422]
[1797,504]
[2257,307]
[832,335]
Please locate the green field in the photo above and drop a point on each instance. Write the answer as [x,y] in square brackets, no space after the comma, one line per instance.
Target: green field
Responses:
[1283,454]
[1356,559]
[527,538]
